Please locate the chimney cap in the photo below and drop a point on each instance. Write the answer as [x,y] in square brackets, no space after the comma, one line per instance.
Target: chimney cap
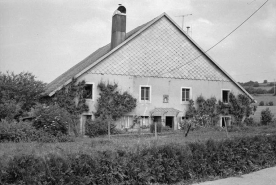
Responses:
[120,10]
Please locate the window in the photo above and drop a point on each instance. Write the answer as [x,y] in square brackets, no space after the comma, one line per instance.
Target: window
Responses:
[127,121]
[88,91]
[225,120]
[145,93]
[144,121]
[185,94]
[225,96]
[88,117]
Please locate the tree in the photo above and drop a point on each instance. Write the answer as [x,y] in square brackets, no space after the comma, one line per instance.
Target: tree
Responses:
[20,91]
[113,103]
[265,81]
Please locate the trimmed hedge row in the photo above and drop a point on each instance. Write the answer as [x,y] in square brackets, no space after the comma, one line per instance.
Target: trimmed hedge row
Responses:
[162,164]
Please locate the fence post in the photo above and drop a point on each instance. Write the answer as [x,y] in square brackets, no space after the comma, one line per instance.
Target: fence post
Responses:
[109,120]
[155,129]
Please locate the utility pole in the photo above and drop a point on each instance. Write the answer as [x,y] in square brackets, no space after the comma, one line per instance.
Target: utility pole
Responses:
[183,18]
[274,88]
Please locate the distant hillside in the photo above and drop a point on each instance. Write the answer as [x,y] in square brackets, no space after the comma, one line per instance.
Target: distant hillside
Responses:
[258,88]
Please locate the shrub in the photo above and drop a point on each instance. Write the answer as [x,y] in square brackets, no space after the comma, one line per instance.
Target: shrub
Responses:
[98,127]
[17,132]
[249,121]
[52,119]
[166,129]
[270,103]
[261,103]
[266,116]
[159,127]
[25,132]
[163,164]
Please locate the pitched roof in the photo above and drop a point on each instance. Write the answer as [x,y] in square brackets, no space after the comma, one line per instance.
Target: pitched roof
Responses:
[193,63]
[67,76]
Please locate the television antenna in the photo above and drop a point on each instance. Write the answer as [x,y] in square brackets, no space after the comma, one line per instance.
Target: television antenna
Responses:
[183,16]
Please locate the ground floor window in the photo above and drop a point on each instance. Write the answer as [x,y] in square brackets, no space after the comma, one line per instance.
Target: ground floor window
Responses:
[225,120]
[127,121]
[144,121]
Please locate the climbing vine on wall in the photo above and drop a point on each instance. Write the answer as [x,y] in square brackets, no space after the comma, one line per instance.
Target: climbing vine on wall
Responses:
[208,110]
[112,102]
[70,97]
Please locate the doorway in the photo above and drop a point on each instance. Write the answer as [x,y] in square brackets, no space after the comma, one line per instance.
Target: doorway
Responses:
[169,121]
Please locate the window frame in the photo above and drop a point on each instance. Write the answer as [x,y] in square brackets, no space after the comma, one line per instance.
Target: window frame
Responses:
[190,94]
[225,123]
[93,91]
[229,91]
[140,94]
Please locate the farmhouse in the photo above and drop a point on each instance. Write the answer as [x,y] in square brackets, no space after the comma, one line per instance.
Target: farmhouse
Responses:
[158,63]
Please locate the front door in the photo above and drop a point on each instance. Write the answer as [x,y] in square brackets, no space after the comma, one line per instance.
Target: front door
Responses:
[169,121]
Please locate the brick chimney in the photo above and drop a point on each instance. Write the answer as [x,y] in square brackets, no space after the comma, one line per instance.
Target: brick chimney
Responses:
[118,32]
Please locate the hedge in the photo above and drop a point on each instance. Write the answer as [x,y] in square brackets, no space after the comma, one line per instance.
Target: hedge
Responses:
[169,163]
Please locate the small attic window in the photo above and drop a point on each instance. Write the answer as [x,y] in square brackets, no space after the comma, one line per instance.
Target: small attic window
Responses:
[88,91]
[225,96]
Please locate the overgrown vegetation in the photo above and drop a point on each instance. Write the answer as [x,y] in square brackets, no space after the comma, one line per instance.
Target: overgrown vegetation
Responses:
[112,103]
[266,117]
[25,132]
[111,106]
[206,112]
[169,163]
[99,127]
[19,93]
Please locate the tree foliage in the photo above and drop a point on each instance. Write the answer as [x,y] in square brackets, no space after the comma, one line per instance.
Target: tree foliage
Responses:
[113,103]
[52,119]
[208,110]
[18,93]
[70,97]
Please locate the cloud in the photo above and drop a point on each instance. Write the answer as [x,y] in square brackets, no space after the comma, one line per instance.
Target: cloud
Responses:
[272,60]
[92,27]
[205,21]
[268,24]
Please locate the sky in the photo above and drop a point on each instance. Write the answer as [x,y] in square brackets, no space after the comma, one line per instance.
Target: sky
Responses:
[47,37]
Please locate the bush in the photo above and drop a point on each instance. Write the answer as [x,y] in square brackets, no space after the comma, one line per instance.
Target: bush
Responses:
[261,103]
[17,132]
[266,116]
[163,164]
[249,121]
[159,127]
[25,132]
[166,129]
[52,119]
[270,103]
[98,127]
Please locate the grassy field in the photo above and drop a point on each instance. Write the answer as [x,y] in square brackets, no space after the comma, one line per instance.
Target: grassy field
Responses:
[130,143]
[265,98]
[257,114]
[260,87]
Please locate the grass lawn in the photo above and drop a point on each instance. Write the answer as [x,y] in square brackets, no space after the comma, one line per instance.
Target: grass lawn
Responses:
[265,98]
[130,143]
